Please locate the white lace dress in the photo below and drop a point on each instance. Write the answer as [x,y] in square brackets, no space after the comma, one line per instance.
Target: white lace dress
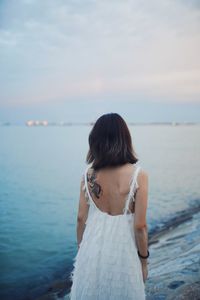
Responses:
[107,266]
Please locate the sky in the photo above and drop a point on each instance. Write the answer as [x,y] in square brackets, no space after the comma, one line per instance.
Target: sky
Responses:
[75,60]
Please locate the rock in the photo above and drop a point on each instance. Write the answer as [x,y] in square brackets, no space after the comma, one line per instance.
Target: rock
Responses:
[187,292]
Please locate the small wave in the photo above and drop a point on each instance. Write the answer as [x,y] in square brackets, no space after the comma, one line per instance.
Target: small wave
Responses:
[174,221]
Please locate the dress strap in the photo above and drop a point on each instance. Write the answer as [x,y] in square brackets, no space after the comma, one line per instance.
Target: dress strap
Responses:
[132,187]
[85,186]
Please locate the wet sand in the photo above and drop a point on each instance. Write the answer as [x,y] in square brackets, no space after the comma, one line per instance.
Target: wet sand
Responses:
[174,267]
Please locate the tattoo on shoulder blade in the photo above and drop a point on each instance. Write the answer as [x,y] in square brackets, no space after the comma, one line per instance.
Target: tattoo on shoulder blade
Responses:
[95,187]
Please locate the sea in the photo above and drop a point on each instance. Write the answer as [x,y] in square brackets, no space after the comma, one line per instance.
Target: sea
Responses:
[40,173]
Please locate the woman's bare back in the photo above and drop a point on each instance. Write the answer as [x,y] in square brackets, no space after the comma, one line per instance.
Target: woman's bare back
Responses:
[109,188]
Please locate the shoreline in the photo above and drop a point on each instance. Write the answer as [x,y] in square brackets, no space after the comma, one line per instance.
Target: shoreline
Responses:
[46,123]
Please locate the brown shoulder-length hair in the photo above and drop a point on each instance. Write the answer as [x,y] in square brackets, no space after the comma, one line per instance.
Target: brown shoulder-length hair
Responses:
[110,143]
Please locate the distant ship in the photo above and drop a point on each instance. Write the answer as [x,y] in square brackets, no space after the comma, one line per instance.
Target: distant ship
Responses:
[36,123]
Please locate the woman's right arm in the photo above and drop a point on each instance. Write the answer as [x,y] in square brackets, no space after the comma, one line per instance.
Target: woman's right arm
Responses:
[140,224]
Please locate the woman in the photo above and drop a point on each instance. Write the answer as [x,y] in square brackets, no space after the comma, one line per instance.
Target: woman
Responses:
[112,235]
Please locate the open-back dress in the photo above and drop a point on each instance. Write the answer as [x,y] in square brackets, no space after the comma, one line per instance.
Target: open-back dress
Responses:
[107,266]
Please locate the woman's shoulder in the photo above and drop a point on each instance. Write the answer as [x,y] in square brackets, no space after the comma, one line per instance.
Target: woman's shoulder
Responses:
[143,172]
[143,176]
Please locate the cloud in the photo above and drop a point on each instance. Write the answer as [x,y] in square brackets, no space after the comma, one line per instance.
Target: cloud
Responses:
[60,50]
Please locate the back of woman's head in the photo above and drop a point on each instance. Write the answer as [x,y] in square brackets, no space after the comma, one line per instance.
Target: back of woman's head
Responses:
[110,142]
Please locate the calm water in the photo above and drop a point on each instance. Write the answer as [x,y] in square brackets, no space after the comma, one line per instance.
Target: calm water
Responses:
[40,172]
